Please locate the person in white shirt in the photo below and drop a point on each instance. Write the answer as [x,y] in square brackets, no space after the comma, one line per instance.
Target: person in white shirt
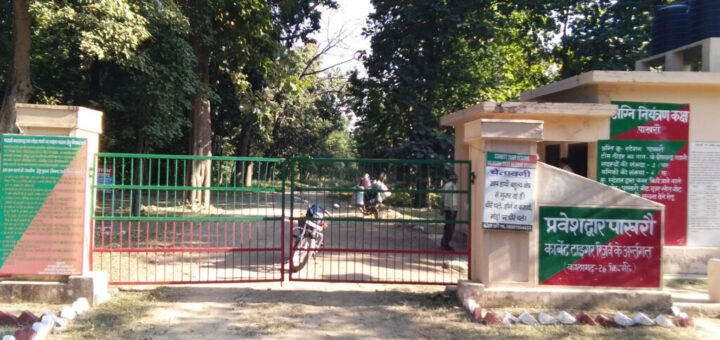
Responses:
[450,210]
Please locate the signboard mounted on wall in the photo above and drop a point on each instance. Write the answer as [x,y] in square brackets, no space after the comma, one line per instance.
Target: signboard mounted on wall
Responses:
[647,155]
[704,184]
[509,191]
[105,176]
[600,247]
[42,202]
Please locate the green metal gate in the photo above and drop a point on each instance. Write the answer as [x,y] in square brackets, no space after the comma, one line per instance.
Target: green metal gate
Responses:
[399,245]
[147,230]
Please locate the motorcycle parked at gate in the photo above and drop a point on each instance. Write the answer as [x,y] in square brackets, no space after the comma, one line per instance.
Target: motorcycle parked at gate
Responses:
[308,236]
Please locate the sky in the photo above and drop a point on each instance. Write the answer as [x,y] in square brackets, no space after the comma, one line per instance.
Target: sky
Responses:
[348,20]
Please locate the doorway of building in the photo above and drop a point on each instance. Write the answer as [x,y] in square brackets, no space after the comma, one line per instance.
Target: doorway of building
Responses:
[552,154]
[578,158]
[577,155]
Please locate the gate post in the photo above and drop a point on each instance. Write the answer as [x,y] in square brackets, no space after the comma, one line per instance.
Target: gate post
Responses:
[499,255]
[68,121]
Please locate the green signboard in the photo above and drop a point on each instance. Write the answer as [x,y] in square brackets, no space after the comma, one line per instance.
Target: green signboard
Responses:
[648,156]
[42,199]
[650,121]
[599,247]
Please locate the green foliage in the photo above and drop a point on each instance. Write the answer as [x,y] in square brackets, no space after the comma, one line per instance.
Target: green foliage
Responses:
[604,34]
[431,58]
[404,199]
[102,29]
[155,94]
[292,114]
[264,93]
[399,199]
[338,144]
[5,41]
[129,59]
[135,61]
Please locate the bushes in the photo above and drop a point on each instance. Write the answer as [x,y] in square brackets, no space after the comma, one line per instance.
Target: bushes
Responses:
[405,199]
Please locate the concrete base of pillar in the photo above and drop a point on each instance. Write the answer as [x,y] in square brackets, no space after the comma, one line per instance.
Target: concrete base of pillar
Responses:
[688,260]
[564,298]
[93,287]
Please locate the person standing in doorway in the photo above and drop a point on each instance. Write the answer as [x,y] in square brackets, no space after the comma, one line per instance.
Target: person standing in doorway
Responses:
[565,165]
[450,210]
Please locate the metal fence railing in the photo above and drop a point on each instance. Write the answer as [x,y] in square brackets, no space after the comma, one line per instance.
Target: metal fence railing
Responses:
[400,243]
[154,224]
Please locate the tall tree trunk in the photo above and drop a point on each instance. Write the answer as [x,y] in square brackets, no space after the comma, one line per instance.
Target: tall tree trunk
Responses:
[19,87]
[201,141]
[244,174]
[139,173]
[245,140]
[272,150]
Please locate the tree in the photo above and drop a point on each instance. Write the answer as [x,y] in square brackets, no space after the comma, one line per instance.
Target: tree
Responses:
[5,42]
[18,88]
[150,101]
[240,38]
[431,58]
[291,114]
[604,34]
[132,61]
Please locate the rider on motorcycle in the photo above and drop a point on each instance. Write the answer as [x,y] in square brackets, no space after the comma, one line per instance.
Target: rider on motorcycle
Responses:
[378,193]
[381,191]
[363,196]
[365,181]
[372,193]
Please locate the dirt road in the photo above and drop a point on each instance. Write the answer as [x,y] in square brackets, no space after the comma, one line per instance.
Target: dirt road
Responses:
[300,310]
[296,311]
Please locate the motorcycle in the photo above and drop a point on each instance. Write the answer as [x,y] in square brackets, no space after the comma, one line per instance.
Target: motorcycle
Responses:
[368,204]
[308,236]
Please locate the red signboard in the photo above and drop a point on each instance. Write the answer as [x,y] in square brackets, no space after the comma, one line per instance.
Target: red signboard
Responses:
[648,156]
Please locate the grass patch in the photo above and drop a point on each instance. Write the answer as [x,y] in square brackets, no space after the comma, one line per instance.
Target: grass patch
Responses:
[106,320]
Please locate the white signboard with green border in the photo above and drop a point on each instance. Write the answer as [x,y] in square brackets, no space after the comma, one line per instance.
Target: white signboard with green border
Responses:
[509,191]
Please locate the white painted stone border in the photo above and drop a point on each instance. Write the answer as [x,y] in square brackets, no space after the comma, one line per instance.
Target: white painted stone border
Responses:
[49,320]
[565,318]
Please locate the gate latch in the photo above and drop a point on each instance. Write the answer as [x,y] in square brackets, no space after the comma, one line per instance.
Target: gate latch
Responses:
[472,177]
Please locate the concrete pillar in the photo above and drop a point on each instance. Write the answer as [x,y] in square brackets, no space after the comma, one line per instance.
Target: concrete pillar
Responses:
[675,62]
[592,156]
[462,151]
[541,152]
[70,121]
[713,274]
[564,147]
[711,55]
[642,66]
[501,257]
